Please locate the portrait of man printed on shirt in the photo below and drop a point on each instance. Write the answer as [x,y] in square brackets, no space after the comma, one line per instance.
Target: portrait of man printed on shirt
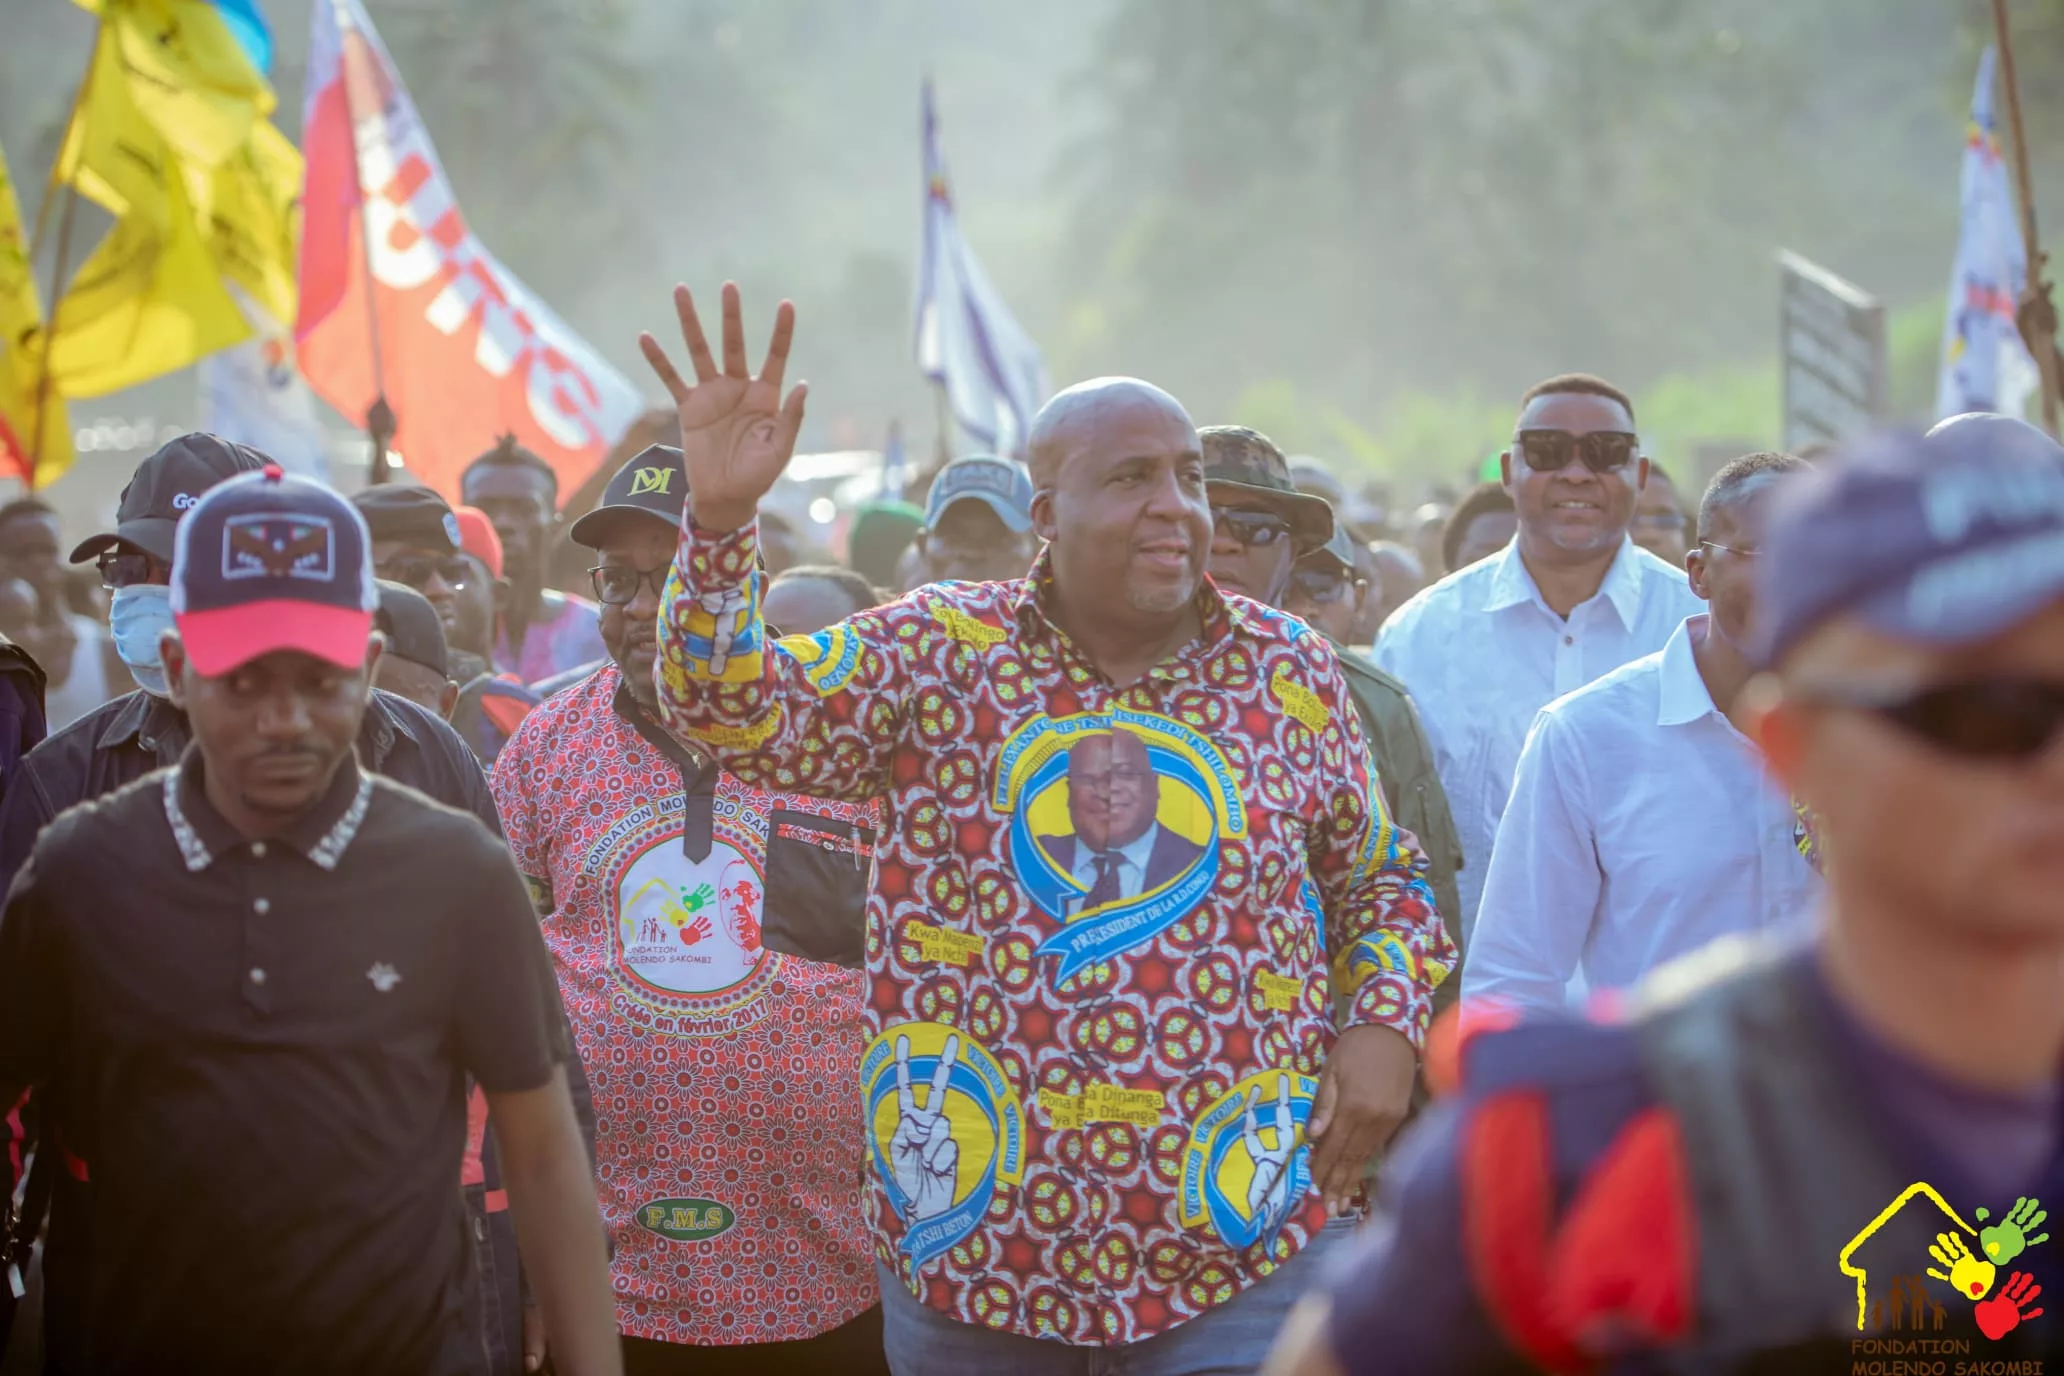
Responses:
[1119,849]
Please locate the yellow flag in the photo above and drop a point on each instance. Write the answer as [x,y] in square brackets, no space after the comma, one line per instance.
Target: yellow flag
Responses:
[148,301]
[21,360]
[171,136]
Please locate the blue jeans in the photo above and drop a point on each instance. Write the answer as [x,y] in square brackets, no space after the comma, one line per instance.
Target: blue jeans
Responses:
[1231,1340]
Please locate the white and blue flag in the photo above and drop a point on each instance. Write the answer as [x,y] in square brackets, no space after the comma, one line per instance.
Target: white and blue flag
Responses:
[1985,366]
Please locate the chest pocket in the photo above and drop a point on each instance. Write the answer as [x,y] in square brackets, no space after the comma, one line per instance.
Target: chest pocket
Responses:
[818,871]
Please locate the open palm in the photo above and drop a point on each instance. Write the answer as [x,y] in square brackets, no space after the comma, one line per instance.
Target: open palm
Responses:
[737,431]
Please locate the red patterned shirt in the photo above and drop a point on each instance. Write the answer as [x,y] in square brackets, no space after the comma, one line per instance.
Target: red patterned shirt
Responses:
[1098,947]
[728,1155]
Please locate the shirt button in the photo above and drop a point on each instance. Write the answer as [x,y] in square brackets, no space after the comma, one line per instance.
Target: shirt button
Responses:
[261,906]
[258,850]
[1569,640]
[257,975]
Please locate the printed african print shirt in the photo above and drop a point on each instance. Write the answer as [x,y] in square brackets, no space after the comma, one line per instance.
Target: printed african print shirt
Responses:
[728,1153]
[566,635]
[1104,935]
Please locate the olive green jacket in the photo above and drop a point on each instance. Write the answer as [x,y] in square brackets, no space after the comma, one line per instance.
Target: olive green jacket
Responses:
[1404,765]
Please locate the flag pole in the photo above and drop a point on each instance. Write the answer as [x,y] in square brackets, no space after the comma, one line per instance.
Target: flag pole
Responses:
[53,188]
[380,421]
[2046,356]
[942,452]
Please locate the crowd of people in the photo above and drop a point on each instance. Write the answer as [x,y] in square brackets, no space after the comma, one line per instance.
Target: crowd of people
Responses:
[1014,946]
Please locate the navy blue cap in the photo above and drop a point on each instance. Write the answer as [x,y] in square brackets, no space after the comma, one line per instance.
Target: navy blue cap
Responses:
[164,488]
[1941,539]
[1002,485]
[268,561]
[651,485]
[412,626]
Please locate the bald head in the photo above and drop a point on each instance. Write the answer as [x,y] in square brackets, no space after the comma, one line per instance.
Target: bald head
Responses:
[1999,432]
[1103,414]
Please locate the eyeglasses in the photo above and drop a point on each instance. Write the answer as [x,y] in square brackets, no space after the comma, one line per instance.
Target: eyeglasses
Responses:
[1548,451]
[1250,528]
[1749,553]
[130,569]
[416,570]
[1323,585]
[616,585]
[1999,719]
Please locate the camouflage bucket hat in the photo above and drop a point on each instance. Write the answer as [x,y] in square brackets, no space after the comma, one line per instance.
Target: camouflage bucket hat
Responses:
[1245,461]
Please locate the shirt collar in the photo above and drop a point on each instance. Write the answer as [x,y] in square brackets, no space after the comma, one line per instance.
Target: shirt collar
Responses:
[1684,698]
[321,833]
[1512,585]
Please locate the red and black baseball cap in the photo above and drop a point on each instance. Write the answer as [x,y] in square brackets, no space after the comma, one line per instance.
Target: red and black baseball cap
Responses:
[268,561]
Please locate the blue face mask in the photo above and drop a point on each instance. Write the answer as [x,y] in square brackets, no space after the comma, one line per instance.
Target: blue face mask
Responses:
[139,616]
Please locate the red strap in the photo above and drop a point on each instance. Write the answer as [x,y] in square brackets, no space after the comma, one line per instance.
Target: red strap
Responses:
[506,712]
[472,1171]
[16,1132]
[1508,1203]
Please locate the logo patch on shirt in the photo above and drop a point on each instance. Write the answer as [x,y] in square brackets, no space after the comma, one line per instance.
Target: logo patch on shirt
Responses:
[829,658]
[686,1220]
[1247,1163]
[944,1128]
[1115,823]
[1300,703]
[962,627]
[383,976]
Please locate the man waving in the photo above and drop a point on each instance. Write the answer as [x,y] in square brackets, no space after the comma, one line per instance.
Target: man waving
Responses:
[1100,1191]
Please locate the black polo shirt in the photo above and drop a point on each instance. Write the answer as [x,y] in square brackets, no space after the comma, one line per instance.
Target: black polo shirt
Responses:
[259,1049]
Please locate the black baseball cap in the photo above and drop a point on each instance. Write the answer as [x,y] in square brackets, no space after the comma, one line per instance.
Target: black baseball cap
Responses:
[413,629]
[1941,539]
[403,511]
[164,488]
[651,485]
[267,561]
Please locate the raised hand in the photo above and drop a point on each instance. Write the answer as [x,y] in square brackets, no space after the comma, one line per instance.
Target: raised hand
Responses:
[737,432]
[922,1154]
[2001,1314]
[1966,1274]
[2008,1238]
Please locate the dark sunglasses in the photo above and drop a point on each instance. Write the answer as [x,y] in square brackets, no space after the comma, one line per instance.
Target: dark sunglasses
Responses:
[2000,719]
[1548,451]
[1323,585]
[417,569]
[130,569]
[616,585]
[1250,528]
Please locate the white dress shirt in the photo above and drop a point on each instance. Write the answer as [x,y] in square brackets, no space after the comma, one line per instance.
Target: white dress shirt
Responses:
[1642,825]
[1132,866]
[1481,653]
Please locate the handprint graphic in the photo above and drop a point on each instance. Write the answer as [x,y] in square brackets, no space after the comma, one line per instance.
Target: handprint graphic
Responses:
[2001,1314]
[2008,1238]
[1966,1274]
[922,1154]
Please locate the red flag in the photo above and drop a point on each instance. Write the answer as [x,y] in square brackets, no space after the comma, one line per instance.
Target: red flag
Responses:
[463,350]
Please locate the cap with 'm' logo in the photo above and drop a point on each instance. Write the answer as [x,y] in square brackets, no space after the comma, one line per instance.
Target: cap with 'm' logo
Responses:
[651,486]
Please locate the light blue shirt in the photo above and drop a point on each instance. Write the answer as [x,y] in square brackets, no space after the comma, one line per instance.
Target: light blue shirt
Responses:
[1482,653]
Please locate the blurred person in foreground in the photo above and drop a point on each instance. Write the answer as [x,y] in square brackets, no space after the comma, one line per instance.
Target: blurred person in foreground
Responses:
[1482,523]
[251,991]
[978,522]
[808,597]
[1327,592]
[1724,1177]
[1025,736]
[1570,599]
[1660,519]
[1642,823]
[543,631]
[727,1144]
